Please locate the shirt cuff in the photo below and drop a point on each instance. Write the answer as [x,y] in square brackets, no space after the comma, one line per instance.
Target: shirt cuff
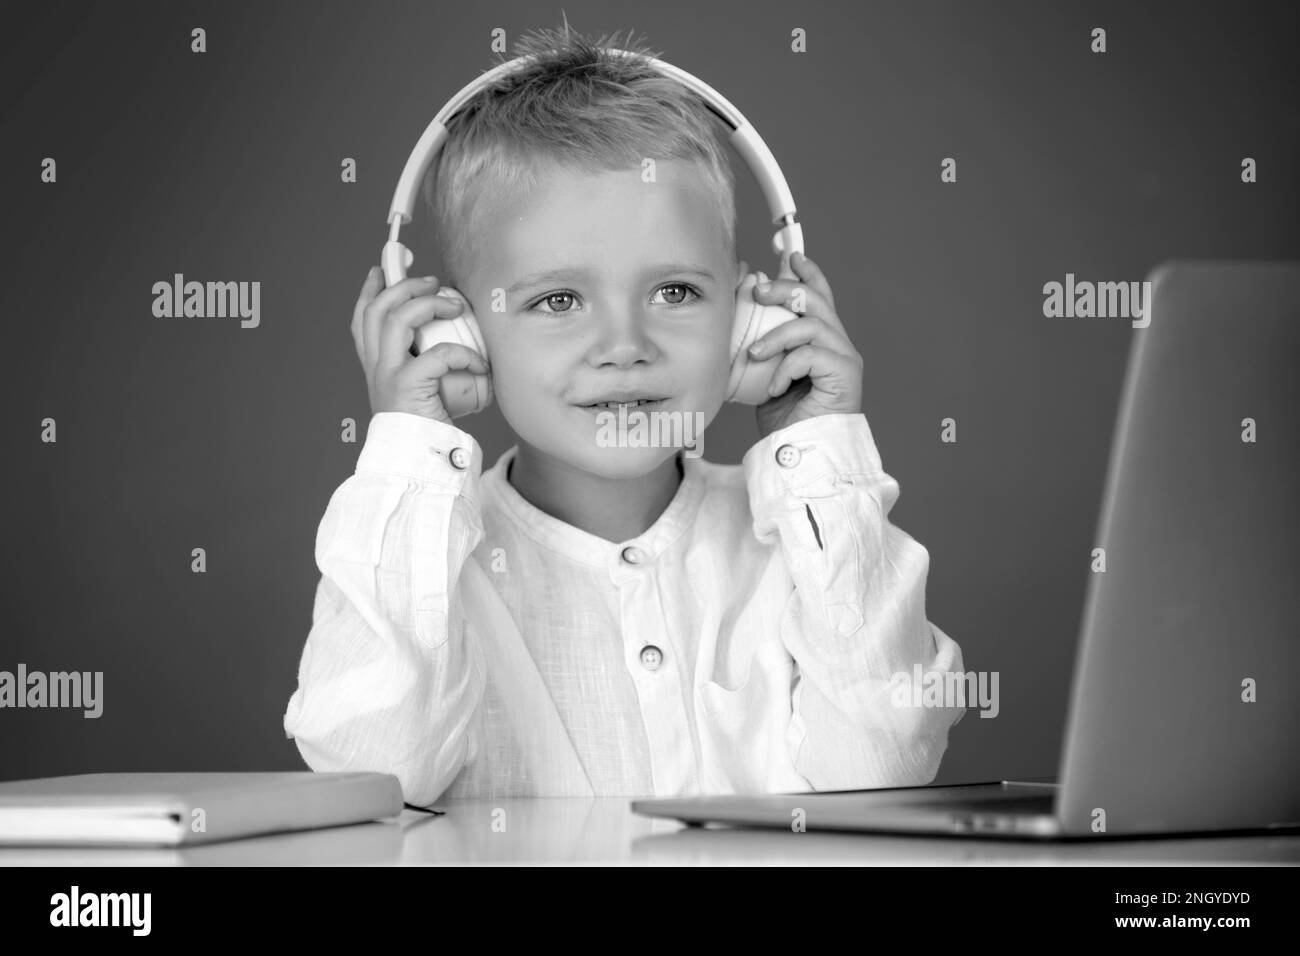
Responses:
[399,443]
[808,457]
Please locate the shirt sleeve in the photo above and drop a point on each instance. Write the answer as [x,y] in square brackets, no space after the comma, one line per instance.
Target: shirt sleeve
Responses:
[388,681]
[855,624]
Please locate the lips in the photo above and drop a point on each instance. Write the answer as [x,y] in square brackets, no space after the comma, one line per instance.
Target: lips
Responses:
[631,403]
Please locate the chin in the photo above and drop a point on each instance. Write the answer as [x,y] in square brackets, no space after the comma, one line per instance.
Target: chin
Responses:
[620,463]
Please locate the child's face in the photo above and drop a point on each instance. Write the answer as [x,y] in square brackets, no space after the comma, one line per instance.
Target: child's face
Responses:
[640,296]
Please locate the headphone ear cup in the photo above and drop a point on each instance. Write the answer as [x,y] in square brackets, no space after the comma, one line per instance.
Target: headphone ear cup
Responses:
[750,377]
[462,392]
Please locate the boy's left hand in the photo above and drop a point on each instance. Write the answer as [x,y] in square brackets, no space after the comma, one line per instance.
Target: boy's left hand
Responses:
[821,373]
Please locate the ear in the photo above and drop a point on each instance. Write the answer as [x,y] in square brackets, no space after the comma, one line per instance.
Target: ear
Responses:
[741,272]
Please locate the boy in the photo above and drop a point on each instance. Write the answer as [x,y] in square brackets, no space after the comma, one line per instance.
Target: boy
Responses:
[690,627]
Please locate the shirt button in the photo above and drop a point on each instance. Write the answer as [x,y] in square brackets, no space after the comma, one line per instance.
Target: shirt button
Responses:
[631,555]
[459,459]
[651,657]
[787,456]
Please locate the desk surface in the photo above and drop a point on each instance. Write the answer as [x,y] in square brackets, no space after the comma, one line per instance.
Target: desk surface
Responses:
[604,830]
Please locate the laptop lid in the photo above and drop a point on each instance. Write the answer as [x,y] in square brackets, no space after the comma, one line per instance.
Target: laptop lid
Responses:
[1184,712]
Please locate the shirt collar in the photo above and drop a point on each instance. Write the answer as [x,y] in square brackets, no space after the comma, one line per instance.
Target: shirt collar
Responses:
[573,542]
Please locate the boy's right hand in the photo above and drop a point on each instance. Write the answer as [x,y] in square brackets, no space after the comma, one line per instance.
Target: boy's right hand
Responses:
[383,330]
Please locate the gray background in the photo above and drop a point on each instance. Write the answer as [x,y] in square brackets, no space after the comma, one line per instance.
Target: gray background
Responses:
[177,433]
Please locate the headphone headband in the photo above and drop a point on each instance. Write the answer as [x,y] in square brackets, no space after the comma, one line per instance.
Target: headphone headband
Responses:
[744,138]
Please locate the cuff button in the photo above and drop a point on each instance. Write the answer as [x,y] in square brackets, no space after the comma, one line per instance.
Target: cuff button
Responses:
[651,657]
[787,456]
[459,459]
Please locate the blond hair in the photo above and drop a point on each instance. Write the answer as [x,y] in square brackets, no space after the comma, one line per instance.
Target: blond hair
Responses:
[575,106]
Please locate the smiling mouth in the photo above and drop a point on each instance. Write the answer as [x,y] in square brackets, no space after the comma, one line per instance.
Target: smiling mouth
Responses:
[614,406]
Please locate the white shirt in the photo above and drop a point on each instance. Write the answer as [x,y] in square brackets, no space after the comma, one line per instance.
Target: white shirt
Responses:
[735,647]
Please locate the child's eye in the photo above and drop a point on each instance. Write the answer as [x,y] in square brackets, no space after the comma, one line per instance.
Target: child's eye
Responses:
[684,287]
[566,300]
[549,297]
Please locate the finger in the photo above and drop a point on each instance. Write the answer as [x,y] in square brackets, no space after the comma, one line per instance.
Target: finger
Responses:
[372,315]
[809,330]
[443,358]
[811,273]
[781,293]
[369,289]
[830,372]
[397,330]
[790,294]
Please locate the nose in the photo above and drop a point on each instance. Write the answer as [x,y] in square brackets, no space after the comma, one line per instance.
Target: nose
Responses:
[622,341]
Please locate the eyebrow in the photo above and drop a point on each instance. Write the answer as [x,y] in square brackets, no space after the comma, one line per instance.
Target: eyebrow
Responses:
[559,275]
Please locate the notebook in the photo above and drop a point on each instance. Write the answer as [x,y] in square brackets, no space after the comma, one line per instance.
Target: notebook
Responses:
[173,809]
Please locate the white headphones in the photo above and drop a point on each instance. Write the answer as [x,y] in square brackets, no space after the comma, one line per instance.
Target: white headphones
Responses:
[749,378]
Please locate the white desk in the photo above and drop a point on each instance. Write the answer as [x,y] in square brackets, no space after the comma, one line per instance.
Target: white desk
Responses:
[604,830]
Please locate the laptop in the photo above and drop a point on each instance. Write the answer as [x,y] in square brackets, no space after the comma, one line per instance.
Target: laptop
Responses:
[1184,714]
[173,809]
